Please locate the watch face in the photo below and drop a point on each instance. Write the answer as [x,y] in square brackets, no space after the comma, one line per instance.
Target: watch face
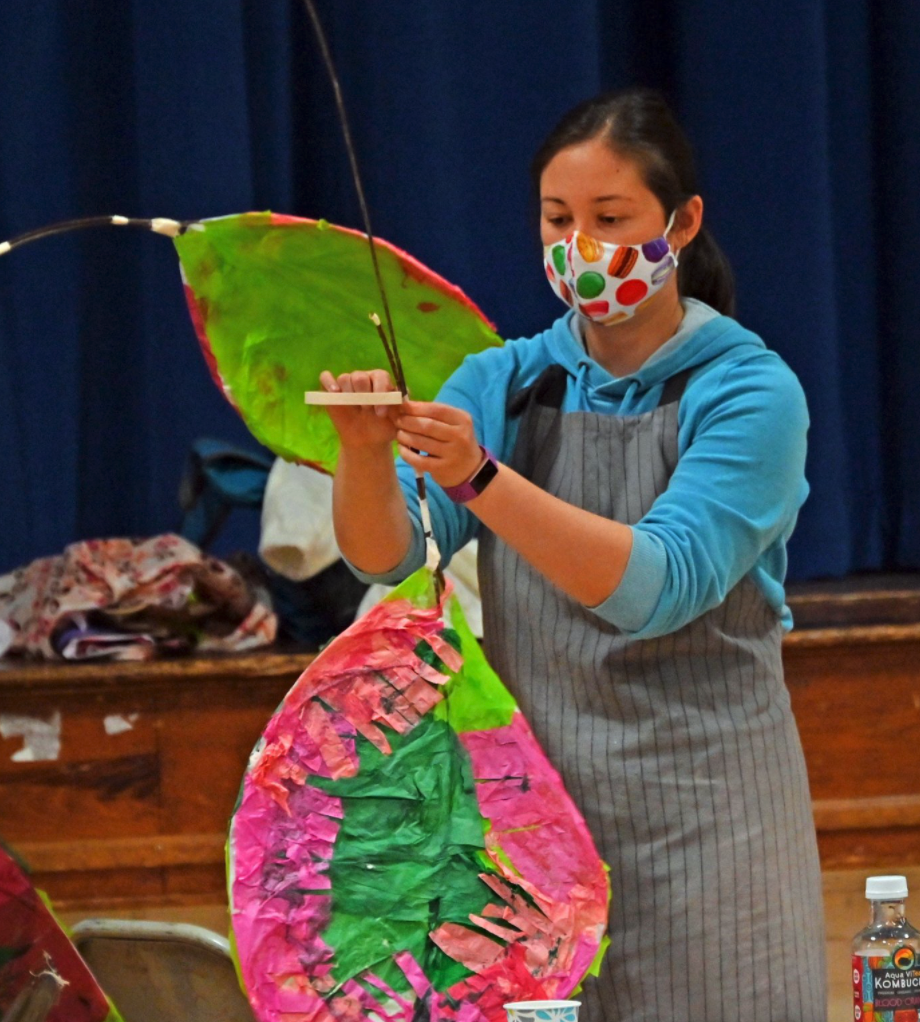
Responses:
[484,476]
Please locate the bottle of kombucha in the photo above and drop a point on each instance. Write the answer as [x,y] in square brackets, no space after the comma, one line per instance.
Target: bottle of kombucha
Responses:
[886,957]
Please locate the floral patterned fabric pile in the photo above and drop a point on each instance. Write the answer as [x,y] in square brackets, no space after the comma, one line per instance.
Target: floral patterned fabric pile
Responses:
[127,599]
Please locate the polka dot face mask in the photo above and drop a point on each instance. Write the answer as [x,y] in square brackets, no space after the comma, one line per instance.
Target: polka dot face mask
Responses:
[604,281]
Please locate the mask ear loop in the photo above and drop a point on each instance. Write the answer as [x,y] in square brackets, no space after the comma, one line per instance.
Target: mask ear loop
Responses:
[670,224]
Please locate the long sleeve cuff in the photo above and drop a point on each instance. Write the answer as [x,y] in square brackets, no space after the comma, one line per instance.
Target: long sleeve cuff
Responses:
[631,605]
[414,559]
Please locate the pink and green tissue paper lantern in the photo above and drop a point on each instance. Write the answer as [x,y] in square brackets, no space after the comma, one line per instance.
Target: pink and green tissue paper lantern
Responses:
[402,848]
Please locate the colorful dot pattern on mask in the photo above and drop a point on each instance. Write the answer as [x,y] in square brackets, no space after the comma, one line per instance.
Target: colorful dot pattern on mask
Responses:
[590,285]
[607,282]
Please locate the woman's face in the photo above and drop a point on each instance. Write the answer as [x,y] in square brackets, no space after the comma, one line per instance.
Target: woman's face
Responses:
[590,188]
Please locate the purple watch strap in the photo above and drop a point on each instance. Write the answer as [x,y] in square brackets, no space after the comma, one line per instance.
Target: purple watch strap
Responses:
[477,482]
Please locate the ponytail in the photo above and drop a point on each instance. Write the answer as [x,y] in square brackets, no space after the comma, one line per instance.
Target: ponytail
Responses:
[704,272]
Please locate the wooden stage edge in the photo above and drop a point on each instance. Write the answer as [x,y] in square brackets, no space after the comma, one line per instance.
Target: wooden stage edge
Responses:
[132,812]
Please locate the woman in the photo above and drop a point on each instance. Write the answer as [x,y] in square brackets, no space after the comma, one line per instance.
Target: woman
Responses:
[648,470]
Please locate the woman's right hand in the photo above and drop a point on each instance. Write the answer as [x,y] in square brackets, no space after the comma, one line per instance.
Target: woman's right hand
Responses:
[362,426]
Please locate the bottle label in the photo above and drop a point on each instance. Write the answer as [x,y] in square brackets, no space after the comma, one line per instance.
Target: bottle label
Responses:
[887,989]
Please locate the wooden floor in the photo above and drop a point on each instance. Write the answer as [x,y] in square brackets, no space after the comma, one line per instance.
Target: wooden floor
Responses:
[846,912]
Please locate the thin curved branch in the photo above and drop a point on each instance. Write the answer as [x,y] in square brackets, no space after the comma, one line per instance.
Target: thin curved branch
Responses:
[159,225]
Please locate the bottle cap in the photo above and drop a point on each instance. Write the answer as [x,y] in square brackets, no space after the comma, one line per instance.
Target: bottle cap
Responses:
[886,888]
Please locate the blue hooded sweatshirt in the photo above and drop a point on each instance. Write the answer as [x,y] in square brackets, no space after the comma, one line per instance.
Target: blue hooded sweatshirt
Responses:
[733,500]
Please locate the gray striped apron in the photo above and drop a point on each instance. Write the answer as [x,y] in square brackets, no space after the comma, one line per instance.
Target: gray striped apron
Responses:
[681,751]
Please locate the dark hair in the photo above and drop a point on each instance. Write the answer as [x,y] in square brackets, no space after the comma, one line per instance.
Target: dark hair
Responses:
[638,123]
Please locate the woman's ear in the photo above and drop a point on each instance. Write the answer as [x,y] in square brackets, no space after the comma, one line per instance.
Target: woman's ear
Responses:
[687,222]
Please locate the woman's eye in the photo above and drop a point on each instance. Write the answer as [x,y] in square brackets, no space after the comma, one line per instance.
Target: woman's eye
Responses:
[557,221]
[609,219]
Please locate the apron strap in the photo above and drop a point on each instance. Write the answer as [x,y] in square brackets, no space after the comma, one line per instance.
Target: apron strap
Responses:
[674,387]
[548,389]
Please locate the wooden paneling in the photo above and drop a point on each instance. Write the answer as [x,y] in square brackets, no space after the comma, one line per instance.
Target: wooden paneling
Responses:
[856,696]
[139,817]
[122,853]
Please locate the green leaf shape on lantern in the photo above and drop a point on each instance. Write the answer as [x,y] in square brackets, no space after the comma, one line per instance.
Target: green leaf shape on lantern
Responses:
[481,702]
[414,817]
[276,300]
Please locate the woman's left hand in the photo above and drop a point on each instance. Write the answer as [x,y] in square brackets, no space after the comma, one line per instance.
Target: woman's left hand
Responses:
[445,437]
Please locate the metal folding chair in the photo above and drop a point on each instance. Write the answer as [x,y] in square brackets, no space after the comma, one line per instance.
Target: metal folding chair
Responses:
[163,972]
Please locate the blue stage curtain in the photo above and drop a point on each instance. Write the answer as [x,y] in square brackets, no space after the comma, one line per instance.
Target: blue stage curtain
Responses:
[806,121]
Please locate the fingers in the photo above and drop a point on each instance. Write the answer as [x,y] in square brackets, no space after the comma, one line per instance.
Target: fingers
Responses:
[430,422]
[376,381]
[381,381]
[449,468]
[436,411]
[422,426]
[432,437]
[421,442]
[373,381]
[420,462]
[437,439]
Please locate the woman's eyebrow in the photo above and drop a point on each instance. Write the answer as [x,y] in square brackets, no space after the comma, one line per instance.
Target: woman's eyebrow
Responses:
[600,198]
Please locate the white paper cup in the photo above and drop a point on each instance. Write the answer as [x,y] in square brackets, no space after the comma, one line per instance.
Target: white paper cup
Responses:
[543,1011]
